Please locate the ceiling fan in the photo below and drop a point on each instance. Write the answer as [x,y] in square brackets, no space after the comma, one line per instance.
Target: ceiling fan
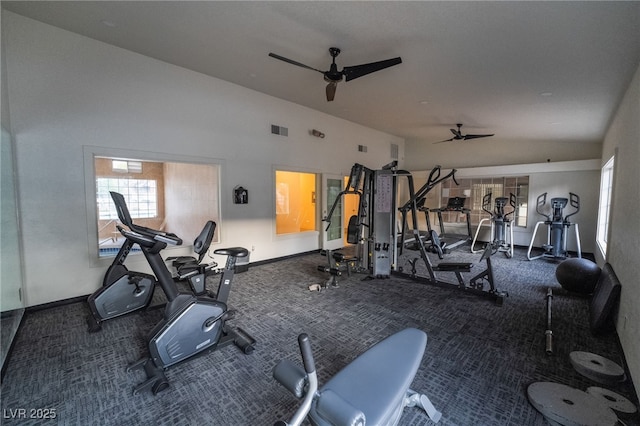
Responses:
[333,76]
[458,136]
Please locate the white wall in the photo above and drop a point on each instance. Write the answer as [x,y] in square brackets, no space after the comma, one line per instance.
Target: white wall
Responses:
[495,152]
[68,92]
[623,136]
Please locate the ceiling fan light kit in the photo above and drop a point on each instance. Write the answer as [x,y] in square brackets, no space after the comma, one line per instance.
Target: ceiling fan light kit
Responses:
[333,76]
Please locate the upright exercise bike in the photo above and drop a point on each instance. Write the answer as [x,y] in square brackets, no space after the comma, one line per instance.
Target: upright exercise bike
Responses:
[191,324]
[501,224]
[557,227]
[124,291]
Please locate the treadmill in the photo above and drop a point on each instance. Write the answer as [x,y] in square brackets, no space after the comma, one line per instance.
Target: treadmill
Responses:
[454,205]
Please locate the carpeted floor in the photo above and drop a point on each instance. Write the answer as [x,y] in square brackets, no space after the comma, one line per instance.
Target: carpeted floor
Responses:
[480,357]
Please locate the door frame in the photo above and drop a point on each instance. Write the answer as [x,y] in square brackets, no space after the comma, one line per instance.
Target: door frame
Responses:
[336,243]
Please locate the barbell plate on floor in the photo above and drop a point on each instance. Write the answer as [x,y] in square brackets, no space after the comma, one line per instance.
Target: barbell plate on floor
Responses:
[613,400]
[596,367]
[569,406]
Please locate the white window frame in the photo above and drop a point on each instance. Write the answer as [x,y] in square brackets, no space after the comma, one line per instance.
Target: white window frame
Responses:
[89,154]
[604,206]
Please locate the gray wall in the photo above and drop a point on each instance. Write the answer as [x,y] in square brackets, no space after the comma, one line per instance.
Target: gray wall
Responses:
[623,139]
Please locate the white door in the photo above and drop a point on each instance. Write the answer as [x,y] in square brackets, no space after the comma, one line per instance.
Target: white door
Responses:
[332,233]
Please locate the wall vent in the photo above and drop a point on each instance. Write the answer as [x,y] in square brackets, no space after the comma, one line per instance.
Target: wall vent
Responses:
[394,151]
[362,148]
[279,130]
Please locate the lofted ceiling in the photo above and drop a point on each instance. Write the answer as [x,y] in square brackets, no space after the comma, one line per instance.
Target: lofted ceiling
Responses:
[522,70]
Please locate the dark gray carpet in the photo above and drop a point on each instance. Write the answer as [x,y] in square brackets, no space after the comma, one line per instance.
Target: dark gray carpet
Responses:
[480,357]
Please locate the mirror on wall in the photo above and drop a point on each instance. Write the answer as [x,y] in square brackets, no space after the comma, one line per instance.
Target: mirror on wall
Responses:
[11,297]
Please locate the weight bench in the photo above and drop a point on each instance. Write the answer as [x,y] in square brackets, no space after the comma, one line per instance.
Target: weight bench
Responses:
[337,263]
[373,389]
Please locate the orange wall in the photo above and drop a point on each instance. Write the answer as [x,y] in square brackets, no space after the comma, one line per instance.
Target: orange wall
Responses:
[295,202]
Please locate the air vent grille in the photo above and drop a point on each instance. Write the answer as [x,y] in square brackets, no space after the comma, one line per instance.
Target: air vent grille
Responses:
[394,151]
[279,130]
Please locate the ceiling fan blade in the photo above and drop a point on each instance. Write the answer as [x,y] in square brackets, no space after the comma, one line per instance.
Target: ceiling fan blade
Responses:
[475,136]
[292,62]
[331,90]
[356,71]
[446,140]
[456,133]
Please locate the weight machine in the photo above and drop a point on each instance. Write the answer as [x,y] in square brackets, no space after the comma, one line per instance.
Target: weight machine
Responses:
[557,227]
[420,196]
[501,225]
[476,284]
[374,230]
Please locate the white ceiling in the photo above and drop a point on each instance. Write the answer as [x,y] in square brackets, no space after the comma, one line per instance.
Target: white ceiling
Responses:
[522,70]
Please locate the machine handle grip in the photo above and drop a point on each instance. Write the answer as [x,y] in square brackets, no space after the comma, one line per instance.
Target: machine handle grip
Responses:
[140,239]
[574,200]
[434,175]
[307,354]
[453,176]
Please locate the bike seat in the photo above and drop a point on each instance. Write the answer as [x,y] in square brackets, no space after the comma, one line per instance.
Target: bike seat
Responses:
[375,383]
[232,251]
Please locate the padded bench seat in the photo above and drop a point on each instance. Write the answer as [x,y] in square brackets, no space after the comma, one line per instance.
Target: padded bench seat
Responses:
[604,301]
[376,382]
[453,266]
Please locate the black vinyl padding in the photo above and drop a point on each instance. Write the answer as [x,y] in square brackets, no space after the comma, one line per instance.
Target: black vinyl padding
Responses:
[604,300]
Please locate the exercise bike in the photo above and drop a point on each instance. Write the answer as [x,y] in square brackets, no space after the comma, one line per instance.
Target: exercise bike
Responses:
[194,270]
[501,226]
[373,389]
[124,291]
[557,227]
[191,324]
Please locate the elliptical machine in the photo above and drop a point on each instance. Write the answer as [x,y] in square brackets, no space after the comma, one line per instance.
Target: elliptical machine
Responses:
[191,324]
[501,225]
[557,227]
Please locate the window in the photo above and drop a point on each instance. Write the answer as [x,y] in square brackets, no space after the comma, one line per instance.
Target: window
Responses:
[177,197]
[604,206]
[474,189]
[295,202]
[140,194]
